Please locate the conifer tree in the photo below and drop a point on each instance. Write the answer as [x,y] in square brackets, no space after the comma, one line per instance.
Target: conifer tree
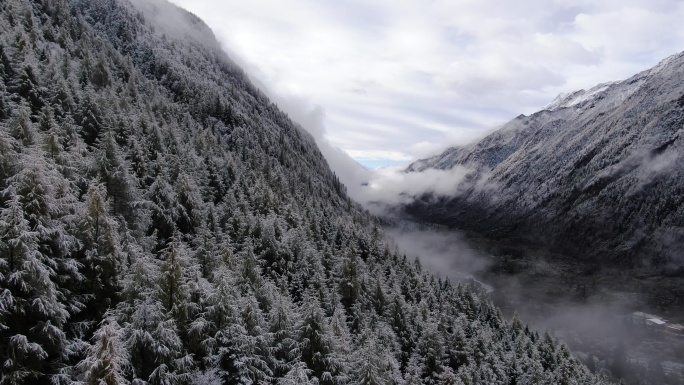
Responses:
[107,361]
[284,346]
[31,315]
[316,348]
[101,251]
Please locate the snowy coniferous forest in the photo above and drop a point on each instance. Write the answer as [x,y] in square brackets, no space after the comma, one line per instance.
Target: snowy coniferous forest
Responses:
[161,222]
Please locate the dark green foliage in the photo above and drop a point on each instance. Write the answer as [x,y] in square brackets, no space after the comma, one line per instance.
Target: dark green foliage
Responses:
[88,117]
[26,86]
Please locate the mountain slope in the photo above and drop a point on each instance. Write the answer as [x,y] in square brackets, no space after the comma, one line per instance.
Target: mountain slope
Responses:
[596,174]
[161,222]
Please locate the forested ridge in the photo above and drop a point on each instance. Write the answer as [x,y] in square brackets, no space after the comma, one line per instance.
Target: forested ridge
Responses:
[161,222]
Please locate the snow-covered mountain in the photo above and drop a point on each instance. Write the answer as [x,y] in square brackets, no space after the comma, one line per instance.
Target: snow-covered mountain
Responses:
[163,222]
[597,173]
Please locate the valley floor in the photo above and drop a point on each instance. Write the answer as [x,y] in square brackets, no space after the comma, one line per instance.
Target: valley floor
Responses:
[587,307]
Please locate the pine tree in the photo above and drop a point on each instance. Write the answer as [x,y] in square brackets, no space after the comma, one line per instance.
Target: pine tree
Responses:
[26,86]
[369,366]
[431,350]
[113,172]
[297,375]
[163,210]
[89,118]
[315,341]
[189,206]
[155,347]
[107,361]
[101,250]
[350,283]
[31,315]
[8,159]
[284,347]
[21,127]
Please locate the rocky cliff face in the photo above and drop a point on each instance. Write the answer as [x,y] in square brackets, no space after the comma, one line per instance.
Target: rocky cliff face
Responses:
[595,174]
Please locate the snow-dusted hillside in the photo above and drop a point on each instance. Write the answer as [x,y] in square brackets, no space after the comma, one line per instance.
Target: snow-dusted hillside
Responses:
[163,222]
[597,172]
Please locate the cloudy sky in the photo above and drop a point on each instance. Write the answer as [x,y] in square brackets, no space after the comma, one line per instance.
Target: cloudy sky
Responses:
[390,81]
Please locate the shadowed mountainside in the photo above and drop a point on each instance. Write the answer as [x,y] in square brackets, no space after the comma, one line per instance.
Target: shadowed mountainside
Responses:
[596,174]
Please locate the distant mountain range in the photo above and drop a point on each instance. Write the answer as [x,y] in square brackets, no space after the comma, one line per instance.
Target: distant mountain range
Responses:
[597,174]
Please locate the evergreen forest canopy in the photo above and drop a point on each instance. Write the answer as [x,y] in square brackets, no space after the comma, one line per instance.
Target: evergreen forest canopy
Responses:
[163,223]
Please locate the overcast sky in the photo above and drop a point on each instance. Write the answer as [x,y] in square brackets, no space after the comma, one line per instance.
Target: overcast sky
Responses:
[390,81]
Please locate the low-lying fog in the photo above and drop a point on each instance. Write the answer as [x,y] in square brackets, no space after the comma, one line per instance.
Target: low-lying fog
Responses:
[591,319]
[441,251]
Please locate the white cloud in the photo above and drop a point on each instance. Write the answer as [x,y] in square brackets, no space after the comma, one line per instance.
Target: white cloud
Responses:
[391,186]
[377,155]
[403,77]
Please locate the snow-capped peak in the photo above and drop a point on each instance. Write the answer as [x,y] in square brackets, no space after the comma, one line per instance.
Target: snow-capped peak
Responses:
[578,97]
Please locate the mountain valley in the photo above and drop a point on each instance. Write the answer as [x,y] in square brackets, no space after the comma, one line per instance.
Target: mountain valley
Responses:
[578,206]
[163,222]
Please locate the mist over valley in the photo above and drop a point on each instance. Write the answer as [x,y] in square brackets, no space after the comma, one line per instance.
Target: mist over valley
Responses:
[571,216]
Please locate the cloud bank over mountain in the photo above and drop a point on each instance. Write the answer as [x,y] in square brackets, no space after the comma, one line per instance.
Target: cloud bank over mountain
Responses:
[406,80]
